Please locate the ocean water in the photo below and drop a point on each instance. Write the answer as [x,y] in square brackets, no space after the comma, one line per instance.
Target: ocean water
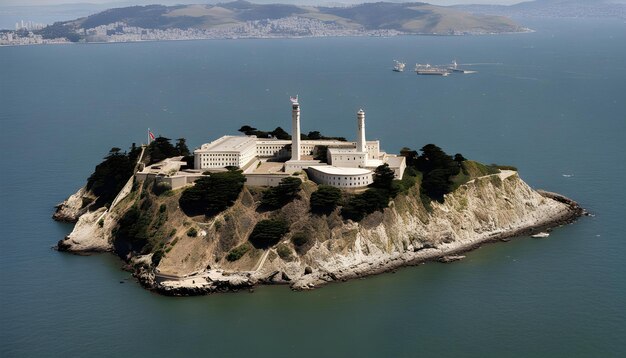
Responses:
[552,102]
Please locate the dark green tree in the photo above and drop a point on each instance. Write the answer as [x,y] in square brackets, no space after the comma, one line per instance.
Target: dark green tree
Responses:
[110,176]
[161,148]
[285,192]
[360,205]
[213,194]
[280,133]
[325,199]
[321,153]
[383,177]
[246,129]
[314,135]
[132,228]
[410,155]
[436,184]
[267,233]
[181,147]
[437,168]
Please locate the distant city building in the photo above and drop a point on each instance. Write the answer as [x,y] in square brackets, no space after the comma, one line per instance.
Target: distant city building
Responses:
[28,25]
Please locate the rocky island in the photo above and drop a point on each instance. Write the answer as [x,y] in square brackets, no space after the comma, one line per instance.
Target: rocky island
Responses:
[247,210]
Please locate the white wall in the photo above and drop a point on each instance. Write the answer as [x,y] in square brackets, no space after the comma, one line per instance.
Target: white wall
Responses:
[264,179]
[348,160]
[340,181]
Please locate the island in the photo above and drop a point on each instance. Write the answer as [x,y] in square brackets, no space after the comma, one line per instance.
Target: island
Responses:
[267,207]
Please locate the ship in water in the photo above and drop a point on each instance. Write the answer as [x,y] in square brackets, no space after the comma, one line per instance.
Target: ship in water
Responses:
[454,67]
[430,70]
[398,66]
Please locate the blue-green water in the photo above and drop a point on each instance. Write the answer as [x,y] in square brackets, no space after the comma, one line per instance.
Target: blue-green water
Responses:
[551,102]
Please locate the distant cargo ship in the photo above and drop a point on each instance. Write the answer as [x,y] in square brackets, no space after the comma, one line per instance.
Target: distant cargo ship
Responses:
[430,70]
[455,68]
[398,66]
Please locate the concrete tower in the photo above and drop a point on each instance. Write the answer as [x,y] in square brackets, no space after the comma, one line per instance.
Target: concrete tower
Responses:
[295,129]
[360,141]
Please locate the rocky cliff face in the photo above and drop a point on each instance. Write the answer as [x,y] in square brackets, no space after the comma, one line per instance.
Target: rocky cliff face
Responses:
[92,233]
[485,209]
[75,206]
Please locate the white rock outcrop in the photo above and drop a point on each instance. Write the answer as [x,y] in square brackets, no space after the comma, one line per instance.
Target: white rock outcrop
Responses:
[74,206]
[92,233]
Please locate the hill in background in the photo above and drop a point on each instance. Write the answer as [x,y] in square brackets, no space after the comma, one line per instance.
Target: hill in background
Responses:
[554,8]
[245,19]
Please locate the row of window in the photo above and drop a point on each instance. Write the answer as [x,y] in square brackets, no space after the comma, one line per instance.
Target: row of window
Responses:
[348,158]
[346,181]
[218,160]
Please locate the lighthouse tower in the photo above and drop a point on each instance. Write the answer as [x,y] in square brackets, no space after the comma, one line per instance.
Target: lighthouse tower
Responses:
[360,142]
[295,129]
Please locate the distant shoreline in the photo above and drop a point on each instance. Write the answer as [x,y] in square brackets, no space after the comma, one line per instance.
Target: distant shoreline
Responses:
[525,31]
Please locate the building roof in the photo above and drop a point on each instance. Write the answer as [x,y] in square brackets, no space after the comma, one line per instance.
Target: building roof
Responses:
[374,163]
[229,143]
[395,161]
[329,169]
[344,151]
[327,142]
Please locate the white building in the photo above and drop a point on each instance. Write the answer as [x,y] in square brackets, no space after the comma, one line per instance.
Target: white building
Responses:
[235,151]
[347,178]
[349,164]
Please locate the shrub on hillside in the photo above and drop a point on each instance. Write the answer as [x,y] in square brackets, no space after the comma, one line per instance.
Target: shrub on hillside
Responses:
[111,175]
[325,199]
[213,194]
[300,239]
[236,253]
[284,193]
[357,207]
[437,168]
[192,232]
[267,233]
[161,187]
[301,242]
[133,226]
[383,177]
[159,149]
[284,252]
[504,167]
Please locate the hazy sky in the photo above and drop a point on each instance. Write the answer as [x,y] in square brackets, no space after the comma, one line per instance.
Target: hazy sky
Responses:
[170,2]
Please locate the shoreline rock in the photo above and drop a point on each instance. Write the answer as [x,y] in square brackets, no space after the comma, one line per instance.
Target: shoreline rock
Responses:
[446,253]
[71,209]
[92,233]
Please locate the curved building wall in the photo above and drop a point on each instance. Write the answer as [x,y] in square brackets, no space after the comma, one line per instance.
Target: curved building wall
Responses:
[340,180]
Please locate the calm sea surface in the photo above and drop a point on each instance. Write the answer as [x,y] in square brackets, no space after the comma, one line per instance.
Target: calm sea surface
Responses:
[553,103]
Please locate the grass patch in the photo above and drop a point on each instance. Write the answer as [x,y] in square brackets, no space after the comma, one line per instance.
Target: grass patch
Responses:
[458,180]
[475,169]
[284,252]
[236,253]
[504,167]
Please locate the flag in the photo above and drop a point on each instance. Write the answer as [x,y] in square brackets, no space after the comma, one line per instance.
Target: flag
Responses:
[150,134]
